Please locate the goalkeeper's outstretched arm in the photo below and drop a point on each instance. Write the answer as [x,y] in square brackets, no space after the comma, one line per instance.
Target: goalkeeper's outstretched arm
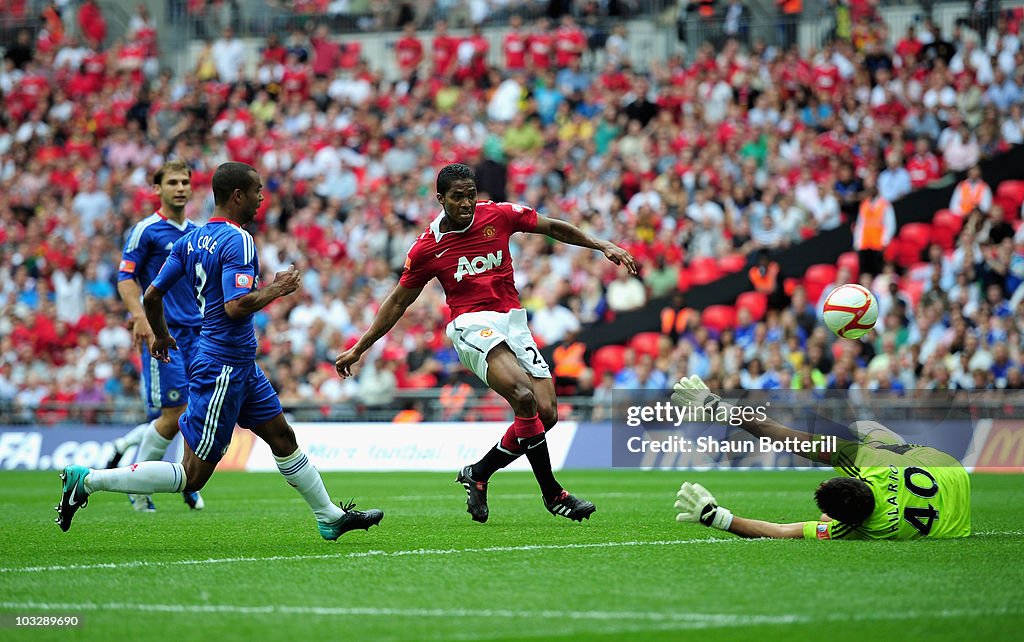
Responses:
[692,391]
[697,504]
[754,528]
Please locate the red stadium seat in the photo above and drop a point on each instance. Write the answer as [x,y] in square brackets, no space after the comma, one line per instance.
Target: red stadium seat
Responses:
[944,236]
[685,281]
[704,262]
[704,273]
[908,254]
[718,317]
[814,289]
[850,261]
[607,359]
[754,302]
[1012,191]
[646,343]
[1011,209]
[817,278]
[892,250]
[918,234]
[913,289]
[947,219]
[732,263]
[823,272]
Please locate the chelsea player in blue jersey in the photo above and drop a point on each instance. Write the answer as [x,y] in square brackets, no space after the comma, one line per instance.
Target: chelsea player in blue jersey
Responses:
[225,385]
[164,384]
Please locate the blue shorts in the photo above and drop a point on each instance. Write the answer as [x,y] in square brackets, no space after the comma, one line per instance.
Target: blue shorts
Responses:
[220,396]
[165,385]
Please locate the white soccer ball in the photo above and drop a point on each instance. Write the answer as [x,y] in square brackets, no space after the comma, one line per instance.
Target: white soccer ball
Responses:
[850,311]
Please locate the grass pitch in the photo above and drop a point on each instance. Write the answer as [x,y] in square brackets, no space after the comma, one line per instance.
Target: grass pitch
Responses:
[252,566]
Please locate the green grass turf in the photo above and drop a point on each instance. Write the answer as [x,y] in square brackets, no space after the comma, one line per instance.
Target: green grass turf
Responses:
[630,573]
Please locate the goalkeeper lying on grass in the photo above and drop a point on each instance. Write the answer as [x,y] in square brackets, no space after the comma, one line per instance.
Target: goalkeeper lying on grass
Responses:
[889,489]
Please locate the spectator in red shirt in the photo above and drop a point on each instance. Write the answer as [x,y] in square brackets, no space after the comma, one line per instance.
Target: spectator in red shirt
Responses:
[326,52]
[539,44]
[471,56]
[570,42]
[924,166]
[273,51]
[514,45]
[142,31]
[444,47]
[92,23]
[408,52]
[295,79]
[909,45]
[826,74]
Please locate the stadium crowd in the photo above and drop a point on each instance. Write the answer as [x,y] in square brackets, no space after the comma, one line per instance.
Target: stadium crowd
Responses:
[733,150]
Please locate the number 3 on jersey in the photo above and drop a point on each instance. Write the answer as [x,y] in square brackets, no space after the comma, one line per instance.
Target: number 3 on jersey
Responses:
[201,278]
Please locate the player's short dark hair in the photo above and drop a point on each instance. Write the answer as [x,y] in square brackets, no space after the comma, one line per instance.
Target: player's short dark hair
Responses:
[168,167]
[846,499]
[229,177]
[451,173]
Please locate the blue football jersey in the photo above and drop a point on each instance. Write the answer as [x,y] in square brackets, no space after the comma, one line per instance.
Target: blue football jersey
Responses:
[219,262]
[148,245]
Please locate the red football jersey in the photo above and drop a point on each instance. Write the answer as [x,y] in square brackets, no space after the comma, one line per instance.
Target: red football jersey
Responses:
[515,50]
[473,265]
[409,53]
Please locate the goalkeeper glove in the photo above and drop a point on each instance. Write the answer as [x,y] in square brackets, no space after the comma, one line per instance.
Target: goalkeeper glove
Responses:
[692,391]
[697,504]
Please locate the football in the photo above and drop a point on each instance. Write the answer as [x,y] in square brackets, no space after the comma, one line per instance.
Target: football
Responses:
[850,311]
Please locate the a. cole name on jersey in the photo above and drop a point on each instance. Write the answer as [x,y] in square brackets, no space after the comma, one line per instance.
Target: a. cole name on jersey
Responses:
[204,243]
[474,266]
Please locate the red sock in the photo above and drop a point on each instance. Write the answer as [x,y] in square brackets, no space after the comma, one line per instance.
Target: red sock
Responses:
[521,428]
[509,443]
[527,427]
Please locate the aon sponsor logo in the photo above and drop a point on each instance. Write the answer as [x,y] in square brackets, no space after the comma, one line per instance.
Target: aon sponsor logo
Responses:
[476,265]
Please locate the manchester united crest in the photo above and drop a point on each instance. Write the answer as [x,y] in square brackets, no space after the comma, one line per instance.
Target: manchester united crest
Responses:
[489,231]
[486,333]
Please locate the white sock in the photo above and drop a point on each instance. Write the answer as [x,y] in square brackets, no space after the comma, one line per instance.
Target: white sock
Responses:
[144,478]
[133,438]
[153,446]
[304,477]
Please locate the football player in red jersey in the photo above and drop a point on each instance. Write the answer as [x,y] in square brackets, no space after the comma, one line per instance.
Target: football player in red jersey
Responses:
[466,248]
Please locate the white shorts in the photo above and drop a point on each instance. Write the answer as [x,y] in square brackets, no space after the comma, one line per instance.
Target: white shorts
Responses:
[475,334]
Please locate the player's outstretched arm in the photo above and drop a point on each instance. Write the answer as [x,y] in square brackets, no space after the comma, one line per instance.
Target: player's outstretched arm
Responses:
[131,296]
[162,342]
[697,505]
[391,311]
[692,391]
[285,282]
[568,233]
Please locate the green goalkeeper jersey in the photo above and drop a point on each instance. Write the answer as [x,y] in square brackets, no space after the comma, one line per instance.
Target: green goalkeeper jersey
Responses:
[919,492]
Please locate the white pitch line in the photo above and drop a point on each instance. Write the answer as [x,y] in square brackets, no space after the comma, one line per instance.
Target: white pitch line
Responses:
[269,609]
[361,554]
[417,552]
